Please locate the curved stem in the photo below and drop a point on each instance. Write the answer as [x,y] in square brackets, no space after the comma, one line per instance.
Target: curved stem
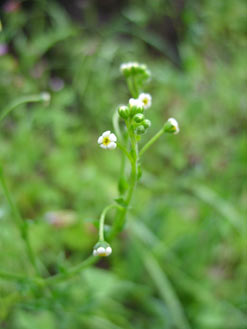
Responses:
[102,220]
[151,141]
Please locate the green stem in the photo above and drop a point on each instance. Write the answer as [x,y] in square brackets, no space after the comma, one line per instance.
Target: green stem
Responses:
[151,141]
[115,122]
[19,221]
[11,277]
[124,150]
[19,277]
[132,87]
[120,220]
[43,97]
[72,271]
[102,220]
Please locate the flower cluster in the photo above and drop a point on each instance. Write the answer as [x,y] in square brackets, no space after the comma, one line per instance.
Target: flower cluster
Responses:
[102,249]
[134,112]
[134,68]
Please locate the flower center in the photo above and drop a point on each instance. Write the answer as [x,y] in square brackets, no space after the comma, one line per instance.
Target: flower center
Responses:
[145,101]
[106,141]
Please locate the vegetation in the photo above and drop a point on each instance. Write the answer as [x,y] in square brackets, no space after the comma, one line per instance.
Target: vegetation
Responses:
[180,261]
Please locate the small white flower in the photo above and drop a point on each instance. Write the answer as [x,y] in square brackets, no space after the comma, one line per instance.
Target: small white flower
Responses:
[146,100]
[107,140]
[135,103]
[128,66]
[46,97]
[124,67]
[174,125]
[102,251]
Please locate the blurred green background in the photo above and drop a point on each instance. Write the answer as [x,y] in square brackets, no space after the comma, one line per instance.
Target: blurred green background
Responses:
[181,261]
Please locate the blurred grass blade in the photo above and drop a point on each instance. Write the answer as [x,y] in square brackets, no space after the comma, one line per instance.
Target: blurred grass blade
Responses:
[223,207]
[43,97]
[166,290]
[100,322]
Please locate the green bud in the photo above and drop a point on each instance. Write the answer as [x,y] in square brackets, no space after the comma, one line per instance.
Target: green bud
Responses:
[135,69]
[102,248]
[171,126]
[136,106]
[140,130]
[146,123]
[139,117]
[124,111]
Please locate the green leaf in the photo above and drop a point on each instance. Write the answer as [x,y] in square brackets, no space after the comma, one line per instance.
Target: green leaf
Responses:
[121,202]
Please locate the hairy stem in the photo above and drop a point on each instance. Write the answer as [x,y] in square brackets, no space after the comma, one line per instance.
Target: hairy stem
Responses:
[151,141]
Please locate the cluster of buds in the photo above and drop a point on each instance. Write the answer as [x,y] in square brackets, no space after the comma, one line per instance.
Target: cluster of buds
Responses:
[135,112]
[135,69]
[102,248]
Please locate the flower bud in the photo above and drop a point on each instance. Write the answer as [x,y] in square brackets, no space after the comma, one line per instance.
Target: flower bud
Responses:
[102,248]
[134,69]
[146,123]
[139,117]
[46,97]
[171,126]
[124,111]
[136,106]
[125,69]
[140,130]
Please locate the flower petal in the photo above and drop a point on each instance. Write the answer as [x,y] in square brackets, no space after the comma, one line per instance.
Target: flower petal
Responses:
[100,139]
[108,251]
[113,137]
[101,251]
[103,146]
[111,146]
[106,133]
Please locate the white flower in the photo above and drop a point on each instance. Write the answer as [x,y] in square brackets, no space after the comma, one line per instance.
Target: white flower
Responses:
[107,140]
[146,100]
[46,97]
[128,66]
[174,125]
[134,68]
[125,66]
[102,251]
[135,103]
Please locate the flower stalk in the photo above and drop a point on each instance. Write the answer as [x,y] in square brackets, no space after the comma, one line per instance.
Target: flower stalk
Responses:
[127,139]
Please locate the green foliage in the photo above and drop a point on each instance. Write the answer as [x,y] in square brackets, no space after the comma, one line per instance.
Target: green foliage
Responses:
[181,260]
